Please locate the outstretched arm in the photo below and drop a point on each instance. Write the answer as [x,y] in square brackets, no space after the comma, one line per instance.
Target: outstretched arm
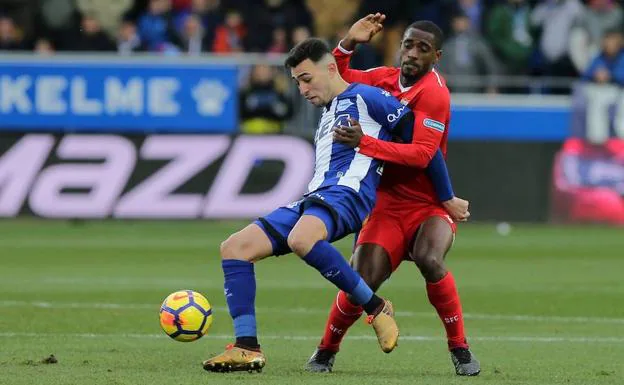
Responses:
[362,31]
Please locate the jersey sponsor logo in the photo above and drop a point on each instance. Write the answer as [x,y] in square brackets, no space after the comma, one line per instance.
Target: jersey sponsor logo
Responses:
[438,126]
[385,93]
[343,105]
[393,117]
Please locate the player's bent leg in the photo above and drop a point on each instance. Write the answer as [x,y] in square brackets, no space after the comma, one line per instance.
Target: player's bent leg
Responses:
[434,239]
[238,253]
[372,262]
[307,232]
[251,244]
[328,261]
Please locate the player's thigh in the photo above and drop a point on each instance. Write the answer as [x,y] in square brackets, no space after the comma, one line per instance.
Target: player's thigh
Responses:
[385,232]
[249,244]
[313,226]
[432,240]
[373,263]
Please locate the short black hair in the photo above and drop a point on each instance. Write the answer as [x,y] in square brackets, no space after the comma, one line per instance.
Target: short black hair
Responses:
[311,48]
[432,28]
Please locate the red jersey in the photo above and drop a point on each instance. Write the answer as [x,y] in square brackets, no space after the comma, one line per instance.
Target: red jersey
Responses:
[430,100]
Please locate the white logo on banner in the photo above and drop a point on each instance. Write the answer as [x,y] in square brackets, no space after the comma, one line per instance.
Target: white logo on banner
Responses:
[210,96]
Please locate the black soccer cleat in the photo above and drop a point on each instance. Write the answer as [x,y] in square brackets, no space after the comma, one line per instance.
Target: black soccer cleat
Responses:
[322,361]
[466,364]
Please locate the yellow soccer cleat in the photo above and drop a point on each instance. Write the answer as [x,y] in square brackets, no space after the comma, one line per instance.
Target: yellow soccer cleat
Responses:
[236,359]
[385,327]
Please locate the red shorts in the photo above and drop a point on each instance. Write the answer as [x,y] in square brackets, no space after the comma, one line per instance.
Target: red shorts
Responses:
[394,228]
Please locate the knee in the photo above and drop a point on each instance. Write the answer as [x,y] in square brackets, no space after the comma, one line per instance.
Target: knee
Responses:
[373,278]
[431,265]
[234,248]
[300,244]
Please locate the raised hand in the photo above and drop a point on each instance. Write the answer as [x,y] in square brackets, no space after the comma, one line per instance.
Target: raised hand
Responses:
[363,30]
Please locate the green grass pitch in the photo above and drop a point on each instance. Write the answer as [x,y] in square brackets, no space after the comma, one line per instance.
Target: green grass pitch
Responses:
[543,305]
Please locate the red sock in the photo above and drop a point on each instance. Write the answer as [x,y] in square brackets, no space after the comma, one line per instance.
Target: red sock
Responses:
[342,315]
[443,296]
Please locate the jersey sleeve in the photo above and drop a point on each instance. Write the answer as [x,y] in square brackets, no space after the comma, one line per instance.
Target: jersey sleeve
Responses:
[370,77]
[429,126]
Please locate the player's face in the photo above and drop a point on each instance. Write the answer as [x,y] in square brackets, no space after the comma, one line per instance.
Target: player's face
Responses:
[418,53]
[313,81]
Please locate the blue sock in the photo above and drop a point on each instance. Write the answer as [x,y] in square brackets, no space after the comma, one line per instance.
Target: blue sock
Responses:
[240,294]
[331,264]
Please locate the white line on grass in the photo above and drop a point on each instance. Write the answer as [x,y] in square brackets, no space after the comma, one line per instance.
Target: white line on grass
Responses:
[105,243]
[527,339]
[301,310]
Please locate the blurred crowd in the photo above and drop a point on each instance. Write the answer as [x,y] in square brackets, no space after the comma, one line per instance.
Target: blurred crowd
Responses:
[486,40]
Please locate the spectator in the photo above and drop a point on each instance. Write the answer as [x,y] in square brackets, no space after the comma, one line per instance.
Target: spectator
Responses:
[209,14]
[229,36]
[473,9]
[299,34]
[263,107]
[10,36]
[91,37]
[264,16]
[193,39]
[279,44]
[180,5]
[155,26]
[43,47]
[108,12]
[598,17]
[508,33]
[608,66]
[467,56]
[329,16]
[128,40]
[555,18]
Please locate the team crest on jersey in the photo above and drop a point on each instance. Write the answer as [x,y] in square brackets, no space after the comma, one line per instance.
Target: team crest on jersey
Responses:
[385,93]
[438,126]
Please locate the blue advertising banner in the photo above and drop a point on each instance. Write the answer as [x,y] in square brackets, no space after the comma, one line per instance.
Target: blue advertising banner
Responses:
[510,118]
[117,96]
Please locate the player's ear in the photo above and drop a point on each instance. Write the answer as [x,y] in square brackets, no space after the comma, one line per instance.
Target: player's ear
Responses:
[332,67]
[438,55]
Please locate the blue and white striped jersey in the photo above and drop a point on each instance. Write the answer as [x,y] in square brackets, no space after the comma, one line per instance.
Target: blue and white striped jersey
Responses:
[378,112]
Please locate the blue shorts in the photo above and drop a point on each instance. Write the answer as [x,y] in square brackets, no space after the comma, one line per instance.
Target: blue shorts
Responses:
[339,207]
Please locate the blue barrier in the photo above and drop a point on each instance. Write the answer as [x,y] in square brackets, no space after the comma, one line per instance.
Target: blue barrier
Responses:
[117,96]
[517,123]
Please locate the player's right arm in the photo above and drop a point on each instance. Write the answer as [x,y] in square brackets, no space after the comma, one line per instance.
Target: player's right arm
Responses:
[362,31]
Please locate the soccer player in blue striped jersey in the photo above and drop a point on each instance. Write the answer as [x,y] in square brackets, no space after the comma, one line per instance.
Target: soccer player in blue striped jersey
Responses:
[340,196]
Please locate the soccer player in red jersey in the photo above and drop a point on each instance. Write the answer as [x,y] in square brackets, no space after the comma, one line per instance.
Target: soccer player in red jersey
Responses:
[408,222]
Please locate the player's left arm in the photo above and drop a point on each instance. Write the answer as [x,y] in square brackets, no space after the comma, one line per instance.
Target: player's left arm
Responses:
[421,129]
[426,122]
